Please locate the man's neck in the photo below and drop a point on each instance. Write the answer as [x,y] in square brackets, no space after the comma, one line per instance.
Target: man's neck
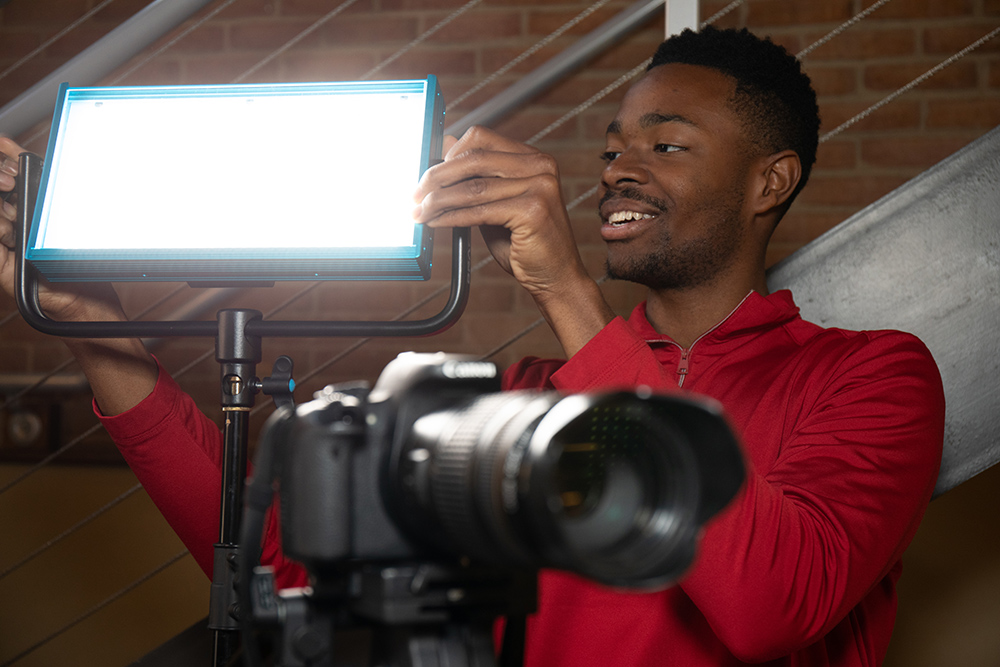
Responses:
[686,314]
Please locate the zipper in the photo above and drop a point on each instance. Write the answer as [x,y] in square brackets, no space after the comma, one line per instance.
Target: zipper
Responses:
[683,366]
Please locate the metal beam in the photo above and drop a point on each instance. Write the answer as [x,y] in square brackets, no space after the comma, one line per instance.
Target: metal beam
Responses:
[97,61]
[924,259]
[680,15]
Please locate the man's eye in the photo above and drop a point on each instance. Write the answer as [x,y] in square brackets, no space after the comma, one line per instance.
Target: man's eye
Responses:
[667,148]
[608,156]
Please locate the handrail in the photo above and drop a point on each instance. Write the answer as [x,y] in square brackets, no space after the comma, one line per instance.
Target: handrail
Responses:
[97,61]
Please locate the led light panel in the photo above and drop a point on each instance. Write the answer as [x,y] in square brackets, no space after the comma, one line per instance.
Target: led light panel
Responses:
[234,183]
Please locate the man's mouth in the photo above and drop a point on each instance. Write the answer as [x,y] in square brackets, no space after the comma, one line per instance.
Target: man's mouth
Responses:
[622,217]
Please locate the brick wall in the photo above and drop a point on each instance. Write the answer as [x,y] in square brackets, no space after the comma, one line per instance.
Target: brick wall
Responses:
[897,43]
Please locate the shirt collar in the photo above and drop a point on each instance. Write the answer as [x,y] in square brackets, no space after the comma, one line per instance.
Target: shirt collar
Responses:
[754,313]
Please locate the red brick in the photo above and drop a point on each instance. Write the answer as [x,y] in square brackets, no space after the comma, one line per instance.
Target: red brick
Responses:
[734,18]
[217,68]
[544,20]
[495,57]
[625,56]
[491,297]
[862,43]
[341,65]
[575,90]
[15,44]
[991,7]
[848,190]
[209,38]
[827,80]
[423,61]
[781,12]
[835,154]
[528,123]
[367,29]
[891,77]
[982,113]
[268,34]
[777,251]
[44,12]
[420,5]
[922,152]
[76,40]
[922,9]
[800,226]
[486,24]
[994,75]
[245,9]
[899,114]
[159,71]
[947,40]
[119,11]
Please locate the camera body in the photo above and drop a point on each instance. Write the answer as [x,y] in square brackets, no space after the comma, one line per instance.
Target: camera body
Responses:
[344,450]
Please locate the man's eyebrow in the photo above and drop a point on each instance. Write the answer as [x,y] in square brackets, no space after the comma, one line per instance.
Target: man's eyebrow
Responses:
[649,120]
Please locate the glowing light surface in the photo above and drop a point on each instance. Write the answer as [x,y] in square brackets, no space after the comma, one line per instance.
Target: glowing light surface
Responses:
[277,168]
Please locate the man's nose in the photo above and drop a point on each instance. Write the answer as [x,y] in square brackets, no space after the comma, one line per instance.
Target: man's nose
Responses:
[625,169]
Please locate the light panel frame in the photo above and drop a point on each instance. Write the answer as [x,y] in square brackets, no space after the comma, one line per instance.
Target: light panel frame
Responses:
[361,132]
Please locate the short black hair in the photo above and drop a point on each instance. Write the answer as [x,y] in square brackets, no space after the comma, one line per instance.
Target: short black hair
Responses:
[774,98]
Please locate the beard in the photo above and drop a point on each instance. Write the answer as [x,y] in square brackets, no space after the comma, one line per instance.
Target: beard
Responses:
[678,266]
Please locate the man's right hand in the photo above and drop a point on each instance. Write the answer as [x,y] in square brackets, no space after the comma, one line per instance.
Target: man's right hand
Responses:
[512,192]
[67,302]
[121,372]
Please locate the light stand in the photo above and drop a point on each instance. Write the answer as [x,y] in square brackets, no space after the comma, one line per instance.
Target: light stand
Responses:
[238,335]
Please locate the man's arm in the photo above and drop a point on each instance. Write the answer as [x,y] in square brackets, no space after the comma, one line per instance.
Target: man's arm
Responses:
[121,372]
[513,191]
[812,533]
[174,450]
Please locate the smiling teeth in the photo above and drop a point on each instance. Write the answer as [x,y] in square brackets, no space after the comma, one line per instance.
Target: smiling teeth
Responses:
[626,216]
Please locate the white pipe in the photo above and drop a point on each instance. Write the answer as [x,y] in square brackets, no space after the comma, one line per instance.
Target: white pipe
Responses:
[680,14]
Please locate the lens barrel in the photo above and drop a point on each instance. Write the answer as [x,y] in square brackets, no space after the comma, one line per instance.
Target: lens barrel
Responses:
[608,486]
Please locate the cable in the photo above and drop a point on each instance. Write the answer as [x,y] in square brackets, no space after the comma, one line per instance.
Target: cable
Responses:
[96,608]
[531,51]
[430,31]
[912,84]
[295,40]
[839,29]
[622,80]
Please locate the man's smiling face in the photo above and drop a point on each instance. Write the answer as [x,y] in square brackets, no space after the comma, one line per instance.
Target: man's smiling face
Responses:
[672,193]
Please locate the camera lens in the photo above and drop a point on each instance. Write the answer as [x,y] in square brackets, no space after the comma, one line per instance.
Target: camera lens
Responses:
[606,486]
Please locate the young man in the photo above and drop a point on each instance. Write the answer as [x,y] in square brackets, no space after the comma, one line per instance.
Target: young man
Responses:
[842,430]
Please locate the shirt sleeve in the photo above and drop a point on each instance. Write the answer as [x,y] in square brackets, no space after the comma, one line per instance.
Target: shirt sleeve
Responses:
[175,451]
[813,533]
[811,537]
[616,358]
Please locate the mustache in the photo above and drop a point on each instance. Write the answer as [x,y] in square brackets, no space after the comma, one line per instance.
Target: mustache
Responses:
[633,194]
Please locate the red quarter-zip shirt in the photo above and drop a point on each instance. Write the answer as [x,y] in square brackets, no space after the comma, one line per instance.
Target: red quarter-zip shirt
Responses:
[842,434]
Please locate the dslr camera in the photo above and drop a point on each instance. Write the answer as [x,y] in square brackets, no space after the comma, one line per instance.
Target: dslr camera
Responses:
[436,467]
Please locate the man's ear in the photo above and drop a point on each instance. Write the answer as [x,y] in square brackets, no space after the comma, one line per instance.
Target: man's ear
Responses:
[779,175]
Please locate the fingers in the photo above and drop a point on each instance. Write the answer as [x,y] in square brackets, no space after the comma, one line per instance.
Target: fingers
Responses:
[471,155]
[487,200]
[482,138]
[7,237]
[9,155]
[479,171]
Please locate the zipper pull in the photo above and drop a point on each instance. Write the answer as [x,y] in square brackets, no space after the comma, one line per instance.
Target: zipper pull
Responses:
[682,367]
